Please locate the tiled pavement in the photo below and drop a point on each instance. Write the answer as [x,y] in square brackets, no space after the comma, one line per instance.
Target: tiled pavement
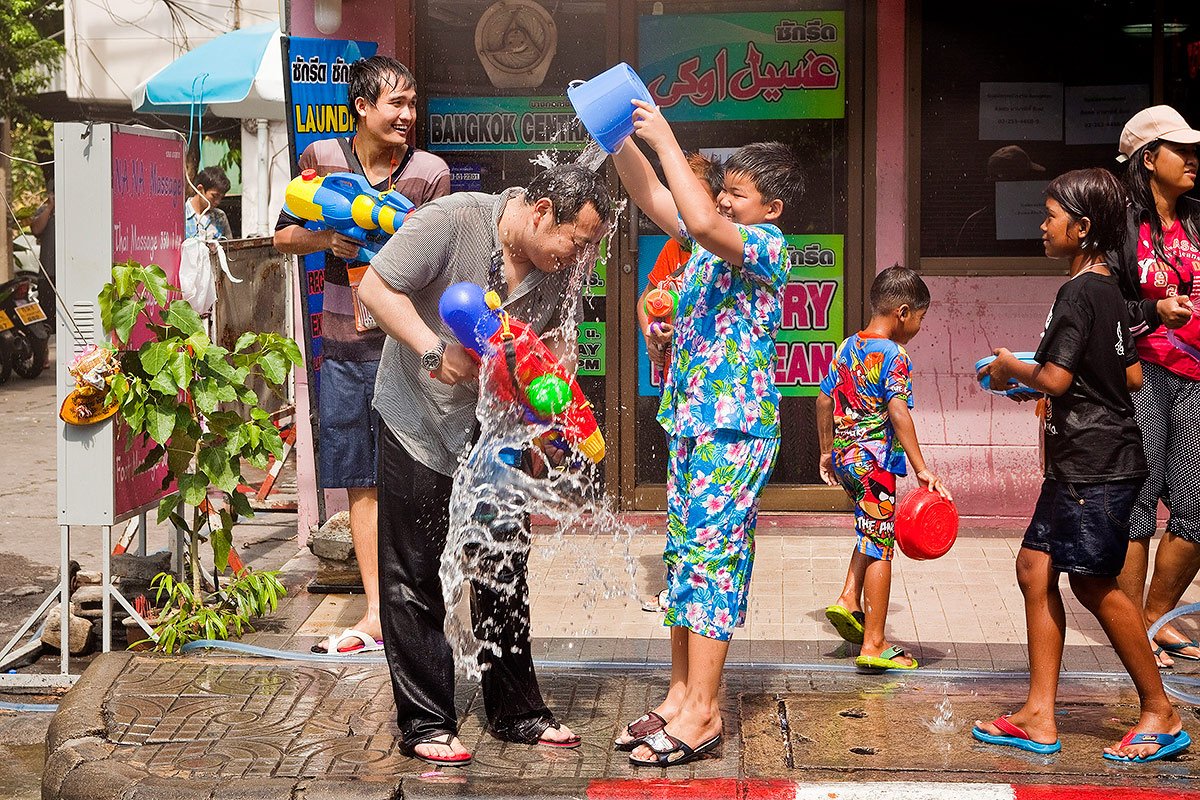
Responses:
[214,726]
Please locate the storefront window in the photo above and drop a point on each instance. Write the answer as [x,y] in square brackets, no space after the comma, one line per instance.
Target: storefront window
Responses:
[1025,92]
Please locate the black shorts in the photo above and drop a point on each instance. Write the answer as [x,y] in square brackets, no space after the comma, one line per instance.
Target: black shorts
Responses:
[1083,526]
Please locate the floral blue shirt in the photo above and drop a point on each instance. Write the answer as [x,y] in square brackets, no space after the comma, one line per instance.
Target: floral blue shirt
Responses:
[722,374]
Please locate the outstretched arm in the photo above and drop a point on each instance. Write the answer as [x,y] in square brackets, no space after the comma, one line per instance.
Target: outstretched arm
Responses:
[645,189]
[705,224]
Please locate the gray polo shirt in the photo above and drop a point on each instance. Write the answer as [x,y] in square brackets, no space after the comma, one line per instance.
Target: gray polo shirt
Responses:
[448,240]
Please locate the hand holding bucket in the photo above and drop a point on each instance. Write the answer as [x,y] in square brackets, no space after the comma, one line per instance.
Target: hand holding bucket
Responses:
[604,104]
[926,524]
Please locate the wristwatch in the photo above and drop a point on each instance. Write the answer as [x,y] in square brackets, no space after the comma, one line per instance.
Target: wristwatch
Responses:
[431,360]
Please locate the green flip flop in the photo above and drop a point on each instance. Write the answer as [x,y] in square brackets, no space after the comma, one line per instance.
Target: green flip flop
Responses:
[884,661]
[849,624]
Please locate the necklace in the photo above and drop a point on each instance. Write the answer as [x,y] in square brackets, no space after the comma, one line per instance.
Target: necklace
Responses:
[391,167]
[1089,268]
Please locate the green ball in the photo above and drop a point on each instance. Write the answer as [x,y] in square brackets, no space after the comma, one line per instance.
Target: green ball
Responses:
[549,395]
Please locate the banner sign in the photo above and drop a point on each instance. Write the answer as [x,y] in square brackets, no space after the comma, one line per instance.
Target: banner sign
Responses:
[813,309]
[503,123]
[762,65]
[592,355]
[147,226]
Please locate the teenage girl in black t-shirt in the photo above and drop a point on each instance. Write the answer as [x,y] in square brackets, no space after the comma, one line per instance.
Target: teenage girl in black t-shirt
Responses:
[1086,367]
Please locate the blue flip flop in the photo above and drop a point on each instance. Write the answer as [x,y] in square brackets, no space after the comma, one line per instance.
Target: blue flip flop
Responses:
[1015,737]
[1173,649]
[1168,746]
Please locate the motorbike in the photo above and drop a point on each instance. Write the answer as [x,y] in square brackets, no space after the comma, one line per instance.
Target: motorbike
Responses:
[24,328]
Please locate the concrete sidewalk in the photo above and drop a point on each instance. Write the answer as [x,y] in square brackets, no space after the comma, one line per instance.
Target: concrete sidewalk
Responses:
[215,725]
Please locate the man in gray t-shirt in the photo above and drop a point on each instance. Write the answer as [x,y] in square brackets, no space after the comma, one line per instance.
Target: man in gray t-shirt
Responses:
[522,244]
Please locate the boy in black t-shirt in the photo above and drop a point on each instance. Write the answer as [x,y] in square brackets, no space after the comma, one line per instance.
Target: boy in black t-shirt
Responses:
[1094,467]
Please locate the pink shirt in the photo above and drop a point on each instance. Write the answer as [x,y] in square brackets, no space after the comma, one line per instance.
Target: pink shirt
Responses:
[1158,280]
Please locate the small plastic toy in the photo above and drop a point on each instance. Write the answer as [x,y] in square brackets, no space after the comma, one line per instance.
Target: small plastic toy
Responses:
[926,524]
[1013,386]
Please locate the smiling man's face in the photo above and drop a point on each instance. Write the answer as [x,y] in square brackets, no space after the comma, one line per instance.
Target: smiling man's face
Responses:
[390,118]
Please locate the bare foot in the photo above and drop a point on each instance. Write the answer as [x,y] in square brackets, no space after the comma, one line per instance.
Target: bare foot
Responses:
[436,750]
[905,658]
[667,710]
[1160,656]
[689,728]
[1147,723]
[560,734]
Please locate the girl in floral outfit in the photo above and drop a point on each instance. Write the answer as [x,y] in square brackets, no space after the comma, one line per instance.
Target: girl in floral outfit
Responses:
[719,408]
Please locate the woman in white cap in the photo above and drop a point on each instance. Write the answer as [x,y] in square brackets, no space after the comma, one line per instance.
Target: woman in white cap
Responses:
[1157,269]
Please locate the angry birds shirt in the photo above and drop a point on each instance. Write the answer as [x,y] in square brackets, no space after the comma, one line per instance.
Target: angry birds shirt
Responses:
[868,371]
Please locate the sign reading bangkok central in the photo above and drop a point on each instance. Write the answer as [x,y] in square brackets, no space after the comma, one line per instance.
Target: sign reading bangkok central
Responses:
[503,123]
[765,65]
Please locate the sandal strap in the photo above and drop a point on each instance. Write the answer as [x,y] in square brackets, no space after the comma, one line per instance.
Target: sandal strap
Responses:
[645,725]
[663,743]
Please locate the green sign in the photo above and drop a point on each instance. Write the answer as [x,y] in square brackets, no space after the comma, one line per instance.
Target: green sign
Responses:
[503,123]
[591,348]
[763,65]
[813,308]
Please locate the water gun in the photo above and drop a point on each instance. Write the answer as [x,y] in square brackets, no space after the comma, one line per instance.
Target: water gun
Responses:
[529,372]
[661,306]
[346,202]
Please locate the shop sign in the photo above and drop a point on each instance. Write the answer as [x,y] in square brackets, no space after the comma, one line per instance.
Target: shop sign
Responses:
[812,324]
[763,65]
[591,340]
[317,73]
[503,123]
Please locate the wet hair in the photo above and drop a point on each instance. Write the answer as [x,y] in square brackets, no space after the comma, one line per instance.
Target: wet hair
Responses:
[1096,194]
[570,187]
[709,170]
[897,286]
[773,168]
[1141,198]
[212,178]
[369,76]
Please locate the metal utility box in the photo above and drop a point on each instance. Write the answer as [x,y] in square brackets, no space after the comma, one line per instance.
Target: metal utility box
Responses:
[119,195]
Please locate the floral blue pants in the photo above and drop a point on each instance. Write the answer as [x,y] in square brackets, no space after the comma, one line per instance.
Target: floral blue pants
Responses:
[713,485]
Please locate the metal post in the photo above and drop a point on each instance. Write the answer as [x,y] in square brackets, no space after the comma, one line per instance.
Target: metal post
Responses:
[64,603]
[142,534]
[106,585]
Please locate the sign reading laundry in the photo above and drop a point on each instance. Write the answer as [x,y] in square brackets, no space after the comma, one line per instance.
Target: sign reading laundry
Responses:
[766,65]
[503,123]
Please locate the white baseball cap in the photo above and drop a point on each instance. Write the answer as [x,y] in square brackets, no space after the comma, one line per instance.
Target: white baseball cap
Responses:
[1156,122]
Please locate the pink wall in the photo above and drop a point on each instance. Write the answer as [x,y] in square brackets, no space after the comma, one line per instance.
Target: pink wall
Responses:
[362,20]
[985,446]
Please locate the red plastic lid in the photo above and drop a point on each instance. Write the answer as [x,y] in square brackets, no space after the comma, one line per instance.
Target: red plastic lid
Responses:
[926,525]
[309,175]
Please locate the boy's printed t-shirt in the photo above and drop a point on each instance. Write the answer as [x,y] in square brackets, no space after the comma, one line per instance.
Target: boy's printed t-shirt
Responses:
[1158,281]
[1090,431]
[722,374]
[867,373]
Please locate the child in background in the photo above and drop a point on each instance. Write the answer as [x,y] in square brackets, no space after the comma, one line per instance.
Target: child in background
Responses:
[668,268]
[720,409]
[1094,466]
[865,431]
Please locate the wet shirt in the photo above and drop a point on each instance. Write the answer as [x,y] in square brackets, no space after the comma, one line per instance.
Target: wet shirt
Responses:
[209,226]
[1091,434]
[1159,280]
[722,374]
[866,374]
[449,240]
[420,177]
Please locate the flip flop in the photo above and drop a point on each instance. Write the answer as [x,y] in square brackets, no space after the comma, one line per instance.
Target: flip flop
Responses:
[639,729]
[1173,649]
[445,738]
[1168,746]
[884,661]
[671,752]
[1015,737]
[1158,651]
[572,741]
[849,624]
[338,645]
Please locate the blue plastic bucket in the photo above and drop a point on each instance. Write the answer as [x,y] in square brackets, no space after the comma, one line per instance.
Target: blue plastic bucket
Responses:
[603,104]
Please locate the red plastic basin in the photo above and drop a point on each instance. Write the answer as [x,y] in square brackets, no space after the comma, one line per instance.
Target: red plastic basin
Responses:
[926,525]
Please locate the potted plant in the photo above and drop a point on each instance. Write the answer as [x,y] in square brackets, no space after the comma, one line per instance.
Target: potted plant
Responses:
[175,390]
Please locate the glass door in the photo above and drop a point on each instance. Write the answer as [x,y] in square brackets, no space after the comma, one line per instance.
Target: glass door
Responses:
[727,78]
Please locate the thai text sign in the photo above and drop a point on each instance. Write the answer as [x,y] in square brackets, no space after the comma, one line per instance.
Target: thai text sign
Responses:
[812,323]
[764,65]
[316,75]
[503,123]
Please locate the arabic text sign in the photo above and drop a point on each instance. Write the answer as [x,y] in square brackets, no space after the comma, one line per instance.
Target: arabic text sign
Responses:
[503,123]
[768,65]
[812,324]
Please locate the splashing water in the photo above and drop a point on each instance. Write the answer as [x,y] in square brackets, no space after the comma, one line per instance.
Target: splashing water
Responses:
[944,722]
[487,549]
[591,157]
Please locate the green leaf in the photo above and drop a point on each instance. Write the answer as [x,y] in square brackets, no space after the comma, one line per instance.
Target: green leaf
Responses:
[274,367]
[153,459]
[182,316]
[166,507]
[241,505]
[124,315]
[248,396]
[199,342]
[222,542]
[193,487]
[215,463]
[181,368]
[105,300]
[160,421]
[164,383]
[244,341]
[154,356]
[206,394]
[155,281]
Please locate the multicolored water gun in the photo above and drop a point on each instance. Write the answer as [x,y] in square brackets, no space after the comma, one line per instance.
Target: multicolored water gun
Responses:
[661,306]
[346,202]
[529,373]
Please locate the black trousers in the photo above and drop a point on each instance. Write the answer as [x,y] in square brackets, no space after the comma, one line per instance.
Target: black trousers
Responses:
[414,520]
